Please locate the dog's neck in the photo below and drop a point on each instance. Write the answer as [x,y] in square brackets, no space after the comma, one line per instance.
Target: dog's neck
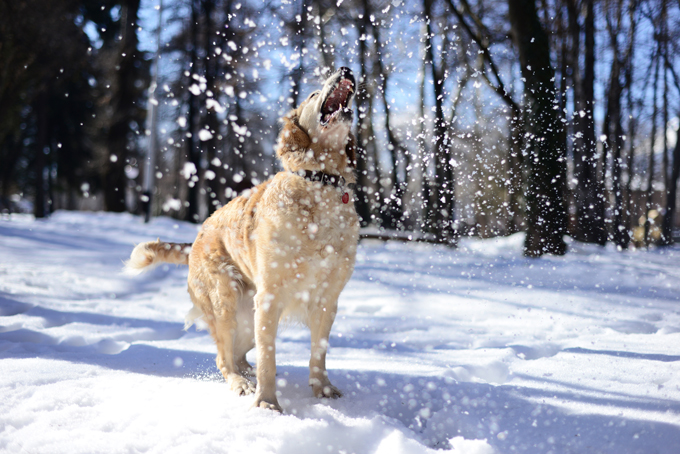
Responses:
[298,153]
[326,179]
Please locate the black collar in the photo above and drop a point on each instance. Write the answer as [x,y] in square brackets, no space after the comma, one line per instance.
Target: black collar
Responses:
[325,178]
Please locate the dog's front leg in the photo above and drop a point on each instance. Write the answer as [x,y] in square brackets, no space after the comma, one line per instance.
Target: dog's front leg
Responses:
[321,329]
[266,324]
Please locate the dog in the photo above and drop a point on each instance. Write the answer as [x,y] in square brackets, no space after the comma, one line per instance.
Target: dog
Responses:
[283,250]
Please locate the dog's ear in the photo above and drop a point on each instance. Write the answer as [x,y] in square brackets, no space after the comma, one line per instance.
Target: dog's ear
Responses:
[292,138]
[351,150]
[293,143]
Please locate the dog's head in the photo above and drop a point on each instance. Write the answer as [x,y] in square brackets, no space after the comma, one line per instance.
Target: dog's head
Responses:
[326,115]
[316,135]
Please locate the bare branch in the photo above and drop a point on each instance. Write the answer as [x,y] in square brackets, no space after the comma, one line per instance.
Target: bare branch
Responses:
[499,87]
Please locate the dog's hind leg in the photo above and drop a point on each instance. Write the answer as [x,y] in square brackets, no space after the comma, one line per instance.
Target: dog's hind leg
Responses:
[244,366]
[225,334]
[216,286]
[225,324]
[217,299]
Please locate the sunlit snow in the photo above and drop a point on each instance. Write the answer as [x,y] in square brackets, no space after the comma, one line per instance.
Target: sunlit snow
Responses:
[475,349]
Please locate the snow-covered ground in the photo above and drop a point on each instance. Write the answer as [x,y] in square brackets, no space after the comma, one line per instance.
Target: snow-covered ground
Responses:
[475,350]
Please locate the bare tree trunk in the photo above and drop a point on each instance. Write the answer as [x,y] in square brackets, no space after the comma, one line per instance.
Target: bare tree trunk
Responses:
[395,212]
[671,171]
[424,155]
[364,135]
[42,123]
[665,162]
[327,55]
[668,172]
[671,199]
[515,167]
[631,116]
[589,191]
[620,233]
[546,213]
[565,60]
[664,50]
[515,173]
[650,170]
[12,153]
[115,180]
[612,124]
[575,33]
[444,190]
[299,42]
[214,192]
[193,145]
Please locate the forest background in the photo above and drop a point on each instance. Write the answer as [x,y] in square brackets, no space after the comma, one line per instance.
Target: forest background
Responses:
[484,117]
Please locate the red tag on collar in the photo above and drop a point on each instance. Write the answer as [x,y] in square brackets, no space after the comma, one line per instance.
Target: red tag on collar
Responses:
[345,198]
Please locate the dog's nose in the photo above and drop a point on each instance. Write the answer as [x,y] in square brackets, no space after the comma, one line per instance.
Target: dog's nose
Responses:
[346,73]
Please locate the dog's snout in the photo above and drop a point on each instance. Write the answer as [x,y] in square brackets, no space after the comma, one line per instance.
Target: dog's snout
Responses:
[346,73]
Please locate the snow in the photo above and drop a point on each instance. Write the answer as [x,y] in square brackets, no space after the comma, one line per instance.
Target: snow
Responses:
[474,350]
[204,135]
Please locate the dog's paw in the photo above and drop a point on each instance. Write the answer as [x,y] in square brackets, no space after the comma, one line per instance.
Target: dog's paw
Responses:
[241,385]
[326,391]
[267,404]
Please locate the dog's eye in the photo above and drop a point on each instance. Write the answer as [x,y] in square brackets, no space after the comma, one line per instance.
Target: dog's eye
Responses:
[315,94]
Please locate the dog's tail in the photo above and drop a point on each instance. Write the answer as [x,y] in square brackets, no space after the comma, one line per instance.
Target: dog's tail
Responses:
[152,253]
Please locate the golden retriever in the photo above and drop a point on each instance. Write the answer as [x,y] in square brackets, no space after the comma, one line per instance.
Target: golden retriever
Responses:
[285,248]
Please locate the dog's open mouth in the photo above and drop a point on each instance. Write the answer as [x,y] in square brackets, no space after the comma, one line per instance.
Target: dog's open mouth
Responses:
[338,101]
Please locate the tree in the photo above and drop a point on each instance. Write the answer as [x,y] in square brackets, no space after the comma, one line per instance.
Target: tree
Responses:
[193,151]
[129,80]
[671,199]
[393,212]
[674,169]
[546,211]
[650,167]
[443,200]
[222,139]
[365,137]
[47,96]
[613,127]
[481,35]
[300,33]
[589,189]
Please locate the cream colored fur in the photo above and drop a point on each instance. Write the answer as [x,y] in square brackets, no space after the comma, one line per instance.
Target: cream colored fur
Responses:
[286,248]
[152,253]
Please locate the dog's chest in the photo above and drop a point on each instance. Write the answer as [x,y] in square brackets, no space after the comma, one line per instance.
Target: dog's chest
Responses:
[325,219]
[312,213]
